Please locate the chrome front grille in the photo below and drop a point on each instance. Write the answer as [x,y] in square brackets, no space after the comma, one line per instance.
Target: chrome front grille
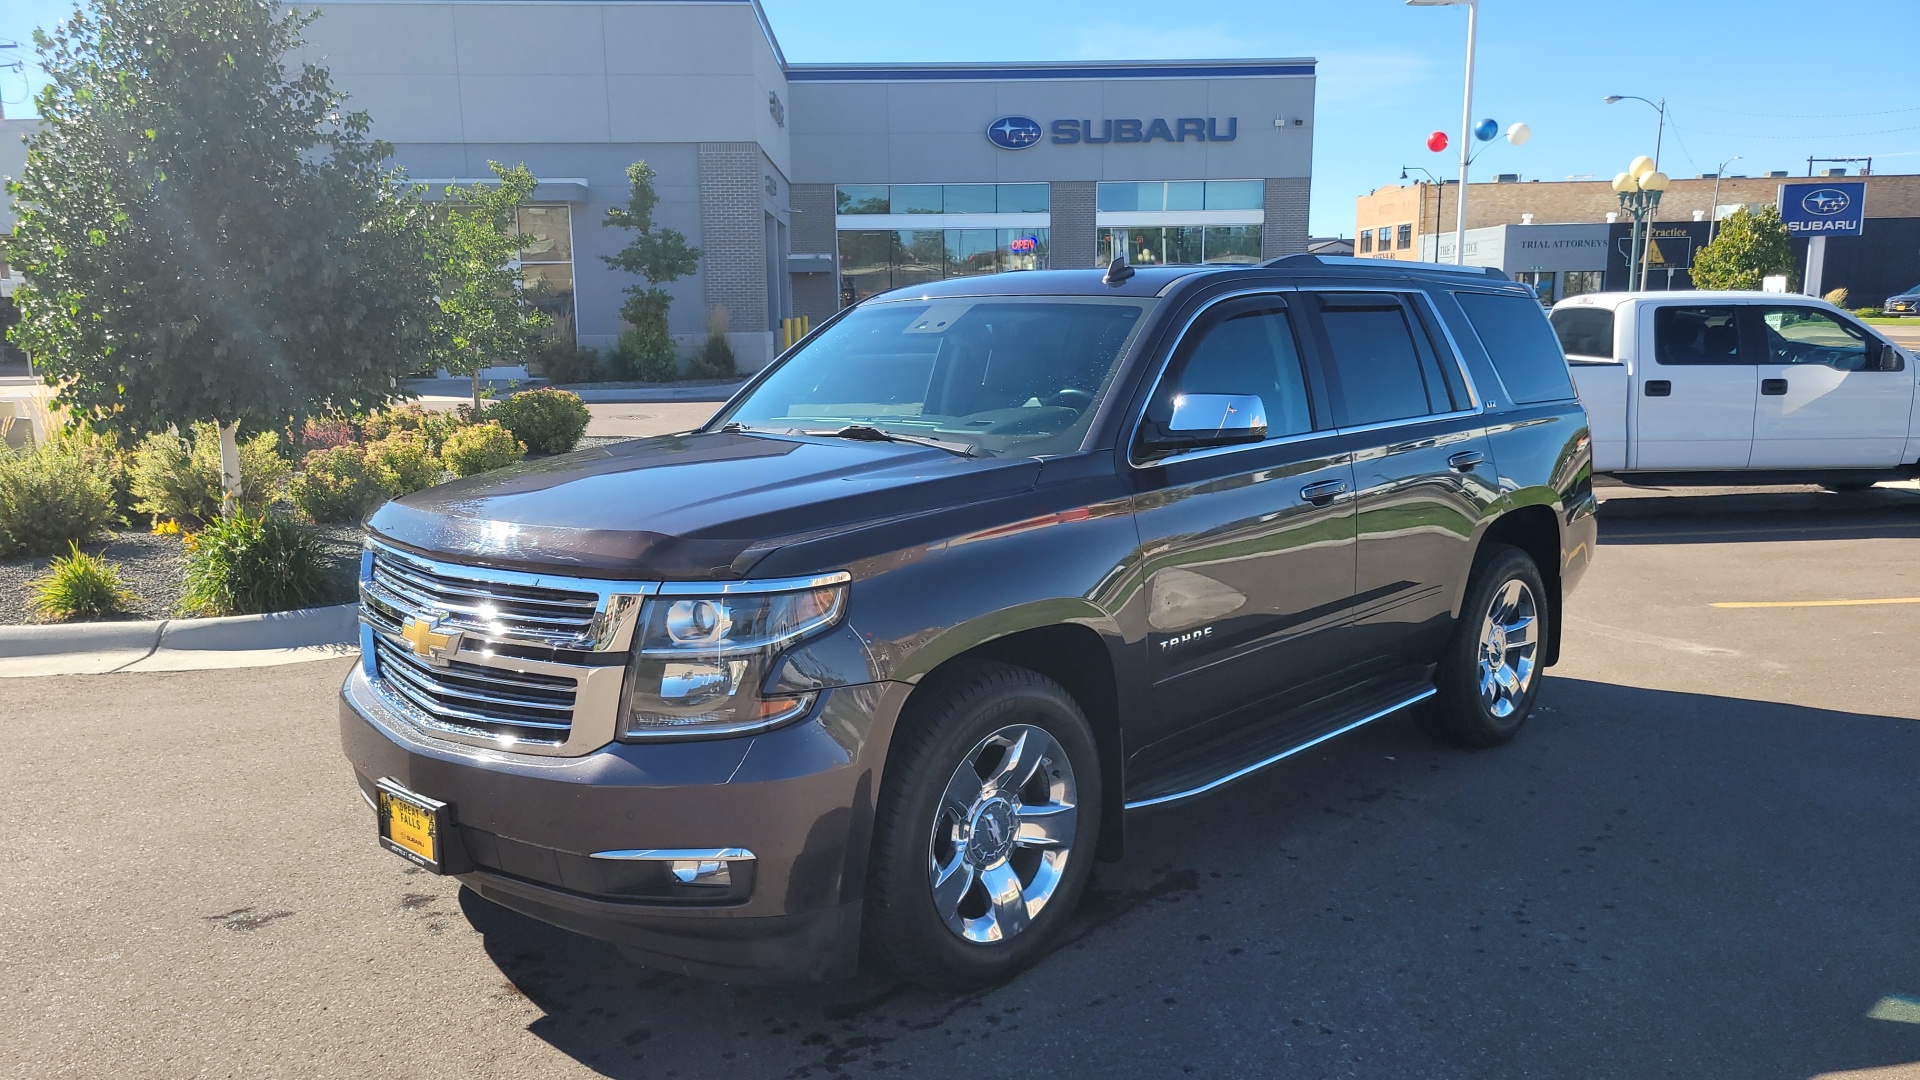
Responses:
[522,662]
[558,617]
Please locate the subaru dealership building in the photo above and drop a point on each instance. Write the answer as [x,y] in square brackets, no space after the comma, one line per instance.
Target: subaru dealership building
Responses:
[808,186]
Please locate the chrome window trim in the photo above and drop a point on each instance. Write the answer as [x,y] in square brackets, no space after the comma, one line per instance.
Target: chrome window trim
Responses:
[712,854]
[1477,404]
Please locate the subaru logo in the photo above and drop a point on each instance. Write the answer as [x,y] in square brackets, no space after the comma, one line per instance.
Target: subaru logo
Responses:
[1825,202]
[1014,132]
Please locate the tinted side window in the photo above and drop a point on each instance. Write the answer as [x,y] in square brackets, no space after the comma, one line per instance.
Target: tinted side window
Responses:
[1585,331]
[1696,335]
[1521,345]
[1381,374]
[1243,349]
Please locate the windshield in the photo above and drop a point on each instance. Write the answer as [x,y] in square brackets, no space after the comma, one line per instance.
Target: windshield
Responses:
[999,375]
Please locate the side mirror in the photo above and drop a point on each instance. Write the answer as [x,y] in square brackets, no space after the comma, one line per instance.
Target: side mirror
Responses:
[1889,359]
[1203,420]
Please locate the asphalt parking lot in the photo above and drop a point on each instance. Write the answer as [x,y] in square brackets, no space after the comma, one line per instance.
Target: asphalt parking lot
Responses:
[1697,861]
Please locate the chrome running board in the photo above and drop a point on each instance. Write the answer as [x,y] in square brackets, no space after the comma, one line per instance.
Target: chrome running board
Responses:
[1248,770]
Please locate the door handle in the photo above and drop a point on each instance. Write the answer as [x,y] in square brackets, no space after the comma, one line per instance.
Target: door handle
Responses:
[1322,493]
[1773,387]
[1466,460]
[1659,388]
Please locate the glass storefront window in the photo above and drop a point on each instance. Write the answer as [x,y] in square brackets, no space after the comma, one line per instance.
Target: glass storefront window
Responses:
[550,287]
[1232,244]
[545,236]
[1155,196]
[873,261]
[1236,194]
[942,199]
[1541,282]
[1575,282]
[1182,244]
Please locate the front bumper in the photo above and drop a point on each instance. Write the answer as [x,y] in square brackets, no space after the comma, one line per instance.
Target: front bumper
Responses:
[800,798]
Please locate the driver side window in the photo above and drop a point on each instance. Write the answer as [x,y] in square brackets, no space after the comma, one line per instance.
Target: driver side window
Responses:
[1804,335]
[1241,348]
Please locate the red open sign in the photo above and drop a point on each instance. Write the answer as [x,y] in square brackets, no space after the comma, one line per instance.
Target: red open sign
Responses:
[1023,244]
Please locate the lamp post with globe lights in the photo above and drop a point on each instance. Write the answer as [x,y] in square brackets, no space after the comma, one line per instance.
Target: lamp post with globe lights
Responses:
[1640,188]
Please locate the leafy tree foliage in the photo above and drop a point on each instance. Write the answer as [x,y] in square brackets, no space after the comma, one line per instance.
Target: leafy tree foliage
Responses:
[656,255]
[205,233]
[1746,248]
[487,318]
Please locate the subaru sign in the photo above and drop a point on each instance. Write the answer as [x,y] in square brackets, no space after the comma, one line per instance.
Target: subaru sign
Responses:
[1824,209]
[1014,132]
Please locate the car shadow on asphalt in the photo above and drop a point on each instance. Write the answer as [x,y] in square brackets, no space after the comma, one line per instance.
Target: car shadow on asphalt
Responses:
[1723,517]
[1726,879]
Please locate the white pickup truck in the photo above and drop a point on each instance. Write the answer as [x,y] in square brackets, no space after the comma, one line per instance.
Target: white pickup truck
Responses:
[1739,387]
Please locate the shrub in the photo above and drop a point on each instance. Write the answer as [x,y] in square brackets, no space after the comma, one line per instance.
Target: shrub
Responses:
[1869,312]
[325,433]
[337,485]
[549,421]
[1836,297]
[103,453]
[647,355]
[244,565]
[403,463]
[480,448]
[715,361]
[564,363]
[429,425]
[79,586]
[50,497]
[173,477]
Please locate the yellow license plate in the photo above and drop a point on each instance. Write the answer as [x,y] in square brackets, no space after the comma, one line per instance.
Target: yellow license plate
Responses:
[410,825]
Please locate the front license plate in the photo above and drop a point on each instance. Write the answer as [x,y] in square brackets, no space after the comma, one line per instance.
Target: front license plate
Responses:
[412,826]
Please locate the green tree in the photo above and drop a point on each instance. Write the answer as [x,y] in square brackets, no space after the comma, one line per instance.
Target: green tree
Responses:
[656,255]
[1746,248]
[486,317]
[205,232]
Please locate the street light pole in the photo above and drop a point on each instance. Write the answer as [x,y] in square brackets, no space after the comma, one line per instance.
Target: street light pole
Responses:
[1713,211]
[1659,132]
[1466,123]
[1640,188]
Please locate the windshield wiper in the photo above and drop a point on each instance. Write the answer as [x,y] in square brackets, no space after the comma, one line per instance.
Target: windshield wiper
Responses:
[869,433]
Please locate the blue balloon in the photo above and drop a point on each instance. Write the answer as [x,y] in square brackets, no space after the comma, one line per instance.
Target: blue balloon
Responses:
[1485,130]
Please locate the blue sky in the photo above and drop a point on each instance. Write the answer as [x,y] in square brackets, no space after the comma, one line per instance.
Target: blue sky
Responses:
[1770,80]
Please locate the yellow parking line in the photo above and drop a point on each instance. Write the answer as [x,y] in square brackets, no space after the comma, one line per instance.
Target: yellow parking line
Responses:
[1815,603]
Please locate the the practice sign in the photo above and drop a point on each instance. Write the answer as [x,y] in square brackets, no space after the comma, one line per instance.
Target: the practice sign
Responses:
[1827,209]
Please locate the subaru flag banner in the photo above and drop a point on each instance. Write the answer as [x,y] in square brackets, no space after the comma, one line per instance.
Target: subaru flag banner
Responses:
[1824,209]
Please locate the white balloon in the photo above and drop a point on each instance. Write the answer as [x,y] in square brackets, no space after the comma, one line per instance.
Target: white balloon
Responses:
[1518,134]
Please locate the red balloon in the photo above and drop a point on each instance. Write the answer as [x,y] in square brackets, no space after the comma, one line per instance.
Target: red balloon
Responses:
[1437,141]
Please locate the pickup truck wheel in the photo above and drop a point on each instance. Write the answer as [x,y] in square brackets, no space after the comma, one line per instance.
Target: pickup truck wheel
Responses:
[1490,673]
[986,828]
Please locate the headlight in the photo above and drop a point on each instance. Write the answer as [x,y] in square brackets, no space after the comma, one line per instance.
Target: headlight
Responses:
[700,663]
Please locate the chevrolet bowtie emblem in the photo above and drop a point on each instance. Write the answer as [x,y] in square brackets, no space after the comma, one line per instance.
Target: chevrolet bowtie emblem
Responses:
[428,642]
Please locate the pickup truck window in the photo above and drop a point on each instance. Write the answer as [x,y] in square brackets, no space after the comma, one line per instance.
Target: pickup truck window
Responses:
[1585,331]
[1521,345]
[1005,375]
[1804,335]
[1243,349]
[1697,335]
[1381,374]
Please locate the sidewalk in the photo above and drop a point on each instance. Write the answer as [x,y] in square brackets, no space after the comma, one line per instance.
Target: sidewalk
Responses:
[288,637]
[591,393]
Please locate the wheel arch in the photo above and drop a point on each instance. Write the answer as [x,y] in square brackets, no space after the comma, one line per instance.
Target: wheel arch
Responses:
[1534,529]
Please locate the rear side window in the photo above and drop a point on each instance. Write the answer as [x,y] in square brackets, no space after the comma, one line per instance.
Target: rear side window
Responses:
[1381,373]
[1519,341]
[1696,335]
[1585,331]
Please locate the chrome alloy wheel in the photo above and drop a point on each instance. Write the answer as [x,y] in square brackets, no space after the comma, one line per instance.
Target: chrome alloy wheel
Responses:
[1509,645]
[1002,834]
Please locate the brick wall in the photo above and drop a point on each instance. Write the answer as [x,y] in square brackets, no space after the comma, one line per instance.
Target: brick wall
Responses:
[733,266]
[1072,243]
[1285,232]
[1553,202]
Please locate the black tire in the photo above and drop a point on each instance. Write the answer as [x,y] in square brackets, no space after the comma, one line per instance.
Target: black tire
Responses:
[948,720]
[1461,713]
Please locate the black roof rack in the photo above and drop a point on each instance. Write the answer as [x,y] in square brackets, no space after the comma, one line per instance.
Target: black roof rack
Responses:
[1305,259]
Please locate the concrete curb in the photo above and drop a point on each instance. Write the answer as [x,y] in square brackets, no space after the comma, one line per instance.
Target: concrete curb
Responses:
[589,393]
[286,637]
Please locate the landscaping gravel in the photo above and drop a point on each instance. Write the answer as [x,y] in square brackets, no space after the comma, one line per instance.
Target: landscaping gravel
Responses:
[154,568]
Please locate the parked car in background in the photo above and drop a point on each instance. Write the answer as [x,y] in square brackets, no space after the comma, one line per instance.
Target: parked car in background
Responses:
[1739,387]
[1906,303]
[887,649]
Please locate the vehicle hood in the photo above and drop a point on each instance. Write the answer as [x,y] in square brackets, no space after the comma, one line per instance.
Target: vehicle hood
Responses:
[686,507]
